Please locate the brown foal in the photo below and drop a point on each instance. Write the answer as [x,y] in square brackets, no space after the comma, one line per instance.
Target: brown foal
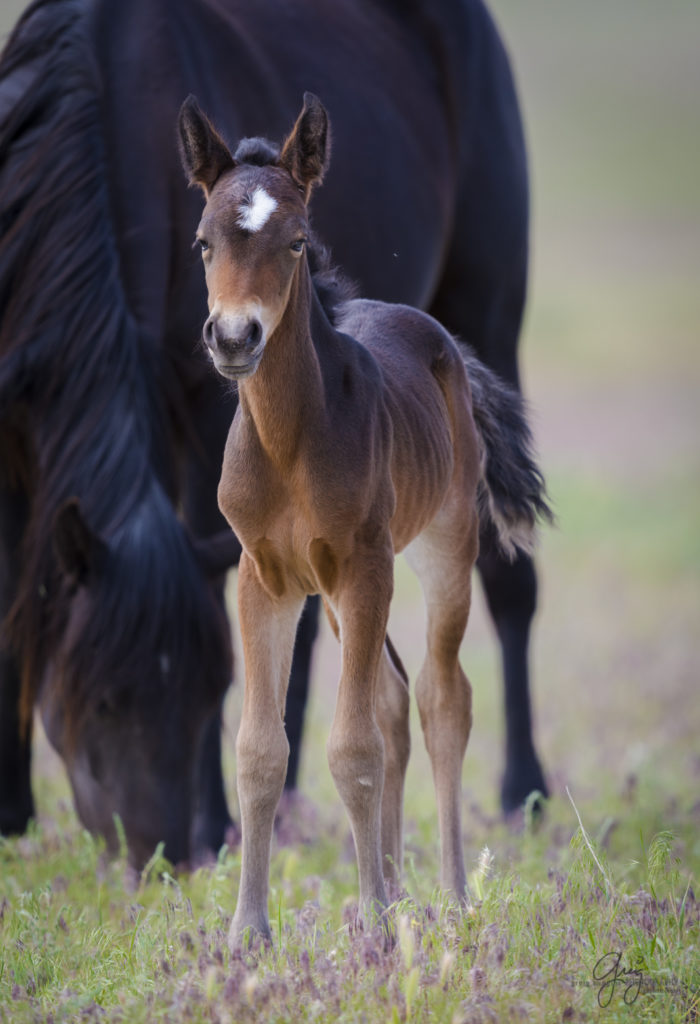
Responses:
[352,441]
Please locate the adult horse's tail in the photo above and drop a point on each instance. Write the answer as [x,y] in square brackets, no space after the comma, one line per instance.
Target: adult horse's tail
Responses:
[70,350]
[512,493]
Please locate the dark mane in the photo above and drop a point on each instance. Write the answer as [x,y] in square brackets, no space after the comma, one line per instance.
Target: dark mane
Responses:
[150,565]
[92,394]
[332,287]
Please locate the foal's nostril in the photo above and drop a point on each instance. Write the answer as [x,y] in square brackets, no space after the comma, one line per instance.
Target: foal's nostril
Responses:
[209,333]
[254,334]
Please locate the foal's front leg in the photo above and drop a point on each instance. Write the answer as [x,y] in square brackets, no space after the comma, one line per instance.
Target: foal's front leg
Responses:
[268,627]
[355,746]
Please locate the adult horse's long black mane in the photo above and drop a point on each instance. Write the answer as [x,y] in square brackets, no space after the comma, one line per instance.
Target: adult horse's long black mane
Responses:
[111,422]
[99,395]
[91,407]
[95,391]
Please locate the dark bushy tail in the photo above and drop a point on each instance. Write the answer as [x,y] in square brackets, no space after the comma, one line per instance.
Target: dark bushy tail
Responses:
[512,492]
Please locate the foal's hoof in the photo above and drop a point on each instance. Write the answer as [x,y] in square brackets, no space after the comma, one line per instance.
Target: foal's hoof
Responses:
[246,937]
[379,920]
[387,926]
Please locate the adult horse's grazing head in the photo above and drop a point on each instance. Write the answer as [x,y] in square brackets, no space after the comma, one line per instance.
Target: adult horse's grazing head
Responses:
[138,668]
[254,227]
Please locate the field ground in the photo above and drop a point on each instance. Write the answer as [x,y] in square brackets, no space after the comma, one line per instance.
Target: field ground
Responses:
[611,366]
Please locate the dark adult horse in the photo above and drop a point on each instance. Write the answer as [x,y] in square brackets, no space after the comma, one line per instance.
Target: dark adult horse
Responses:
[115,611]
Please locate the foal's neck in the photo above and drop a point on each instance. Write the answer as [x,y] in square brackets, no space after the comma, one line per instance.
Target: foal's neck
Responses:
[286,396]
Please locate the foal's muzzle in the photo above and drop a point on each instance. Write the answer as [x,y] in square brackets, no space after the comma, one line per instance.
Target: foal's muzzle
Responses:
[236,347]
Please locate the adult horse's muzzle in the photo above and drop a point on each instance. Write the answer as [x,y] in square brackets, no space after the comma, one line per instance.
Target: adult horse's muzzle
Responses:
[235,345]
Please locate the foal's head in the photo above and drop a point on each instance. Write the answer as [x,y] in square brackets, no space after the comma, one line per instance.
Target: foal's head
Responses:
[254,227]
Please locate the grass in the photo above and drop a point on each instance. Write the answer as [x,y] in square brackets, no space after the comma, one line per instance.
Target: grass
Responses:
[548,903]
[612,368]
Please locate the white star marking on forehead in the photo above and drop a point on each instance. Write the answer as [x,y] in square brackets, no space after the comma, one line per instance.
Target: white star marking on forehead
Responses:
[257,210]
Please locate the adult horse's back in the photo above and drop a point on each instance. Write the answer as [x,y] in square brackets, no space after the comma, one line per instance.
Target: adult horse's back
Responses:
[104,394]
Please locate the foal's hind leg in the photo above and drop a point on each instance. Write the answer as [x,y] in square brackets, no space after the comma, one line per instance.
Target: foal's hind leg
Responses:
[443,558]
[268,627]
[392,718]
[392,713]
[355,746]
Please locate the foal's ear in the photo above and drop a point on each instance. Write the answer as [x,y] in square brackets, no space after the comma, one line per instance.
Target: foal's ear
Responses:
[76,546]
[204,154]
[306,153]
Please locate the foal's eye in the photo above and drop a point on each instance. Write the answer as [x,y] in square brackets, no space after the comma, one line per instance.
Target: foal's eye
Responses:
[298,246]
[203,244]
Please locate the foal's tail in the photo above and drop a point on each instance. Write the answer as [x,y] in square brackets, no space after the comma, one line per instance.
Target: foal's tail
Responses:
[512,494]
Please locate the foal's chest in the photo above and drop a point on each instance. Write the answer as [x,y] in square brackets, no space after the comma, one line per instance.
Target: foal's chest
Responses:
[297,521]
[273,523]
[251,491]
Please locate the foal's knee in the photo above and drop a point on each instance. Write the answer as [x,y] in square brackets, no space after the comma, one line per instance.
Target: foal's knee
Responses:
[356,761]
[445,709]
[262,766]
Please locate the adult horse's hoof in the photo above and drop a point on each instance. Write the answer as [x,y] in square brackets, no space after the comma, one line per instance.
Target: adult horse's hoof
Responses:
[209,834]
[15,817]
[518,785]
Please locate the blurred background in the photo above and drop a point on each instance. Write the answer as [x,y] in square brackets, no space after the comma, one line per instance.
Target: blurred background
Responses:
[610,94]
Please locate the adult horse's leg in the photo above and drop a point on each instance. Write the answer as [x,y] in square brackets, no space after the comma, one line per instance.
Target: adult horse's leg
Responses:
[480,298]
[211,821]
[268,627]
[212,416]
[16,801]
[511,594]
[298,692]
[442,558]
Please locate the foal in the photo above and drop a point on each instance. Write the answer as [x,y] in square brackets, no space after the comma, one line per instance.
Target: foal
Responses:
[351,442]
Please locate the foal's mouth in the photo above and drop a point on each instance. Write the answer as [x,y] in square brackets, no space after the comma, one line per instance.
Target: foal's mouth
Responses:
[238,371]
